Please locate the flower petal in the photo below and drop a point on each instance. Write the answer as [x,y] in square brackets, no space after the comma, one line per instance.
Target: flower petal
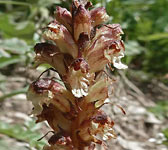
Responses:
[98,91]
[79,82]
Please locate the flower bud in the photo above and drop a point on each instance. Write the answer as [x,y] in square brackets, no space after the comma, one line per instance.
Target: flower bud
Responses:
[64,17]
[98,16]
[81,22]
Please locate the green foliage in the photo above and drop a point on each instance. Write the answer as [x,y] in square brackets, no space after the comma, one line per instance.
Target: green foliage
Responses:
[19,22]
[161,109]
[10,28]
[144,22]
[165,132]
[13,93]
[13,51]
[27,133]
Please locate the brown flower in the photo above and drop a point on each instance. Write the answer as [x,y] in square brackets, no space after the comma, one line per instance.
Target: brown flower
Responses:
[98,16]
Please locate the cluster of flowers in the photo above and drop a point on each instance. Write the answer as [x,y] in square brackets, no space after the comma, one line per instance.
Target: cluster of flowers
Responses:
[80,47]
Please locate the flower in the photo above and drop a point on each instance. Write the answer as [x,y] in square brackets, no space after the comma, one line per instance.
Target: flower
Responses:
[62,38]
[98,16]
[63,16]
[49,53]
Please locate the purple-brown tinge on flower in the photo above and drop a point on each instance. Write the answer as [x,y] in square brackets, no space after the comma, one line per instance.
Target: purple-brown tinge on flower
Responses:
[82,46]
[64,17]
[97,129]
[81,22]
[49,53]
[106,47]
[62,37]
[98,16]
[47,91]
[60,141]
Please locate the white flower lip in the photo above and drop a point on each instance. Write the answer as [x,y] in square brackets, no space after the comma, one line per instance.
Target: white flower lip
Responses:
[117,62]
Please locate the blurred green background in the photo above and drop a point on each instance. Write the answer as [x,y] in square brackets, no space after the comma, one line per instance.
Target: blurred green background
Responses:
[145,24]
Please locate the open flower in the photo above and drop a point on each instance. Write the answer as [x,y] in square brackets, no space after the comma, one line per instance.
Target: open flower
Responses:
[49,53]
[47,91]
[62,38]
[79,77]
[105,47]
[82,46]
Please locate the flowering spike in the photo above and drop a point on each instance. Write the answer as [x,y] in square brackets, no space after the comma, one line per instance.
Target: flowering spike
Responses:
[82,48]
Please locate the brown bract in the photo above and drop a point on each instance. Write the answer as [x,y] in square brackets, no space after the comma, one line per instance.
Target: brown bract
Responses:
[82,46]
